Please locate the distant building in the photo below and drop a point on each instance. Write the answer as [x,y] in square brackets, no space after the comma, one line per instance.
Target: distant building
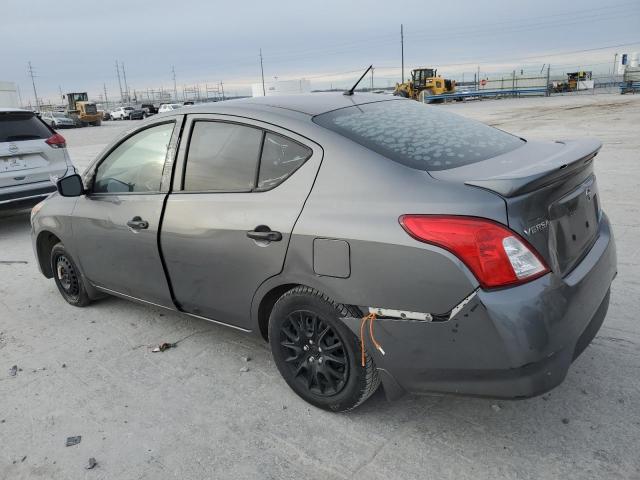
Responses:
[8,95]
[283,87]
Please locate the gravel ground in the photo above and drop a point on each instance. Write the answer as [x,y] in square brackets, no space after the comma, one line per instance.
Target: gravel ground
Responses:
[190,412]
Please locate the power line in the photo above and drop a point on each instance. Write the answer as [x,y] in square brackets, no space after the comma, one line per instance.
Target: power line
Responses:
[532,23]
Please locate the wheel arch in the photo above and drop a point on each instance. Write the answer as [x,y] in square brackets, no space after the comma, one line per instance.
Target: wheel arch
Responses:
[269,293]
[44,244]
[267,301]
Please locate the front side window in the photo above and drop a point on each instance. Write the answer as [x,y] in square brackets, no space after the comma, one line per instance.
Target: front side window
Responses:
[223,157]
[417,135]
[281,157]
[136,164]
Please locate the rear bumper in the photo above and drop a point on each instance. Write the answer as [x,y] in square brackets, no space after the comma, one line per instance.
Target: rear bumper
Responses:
[25,195]
[513,343]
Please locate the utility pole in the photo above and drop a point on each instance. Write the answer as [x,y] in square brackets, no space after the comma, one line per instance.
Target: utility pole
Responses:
[548,76]
[60,90]
[478,77]
[615,64]
[126,87]
[175,88]
[119,82]
[402,50]
[106,99]
[372,78]
[33,82]
[19,95]
[264,92]
[222,87]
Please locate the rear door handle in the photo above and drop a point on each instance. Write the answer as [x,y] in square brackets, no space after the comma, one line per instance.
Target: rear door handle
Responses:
[136,223]
[264,233]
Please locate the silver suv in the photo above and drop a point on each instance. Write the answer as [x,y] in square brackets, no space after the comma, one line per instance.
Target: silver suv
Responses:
[31,154]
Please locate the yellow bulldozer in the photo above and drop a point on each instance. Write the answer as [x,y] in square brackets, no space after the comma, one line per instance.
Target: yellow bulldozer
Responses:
[424,82]
[82,110]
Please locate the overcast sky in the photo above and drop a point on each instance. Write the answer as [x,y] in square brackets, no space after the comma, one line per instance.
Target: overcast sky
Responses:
[74,44]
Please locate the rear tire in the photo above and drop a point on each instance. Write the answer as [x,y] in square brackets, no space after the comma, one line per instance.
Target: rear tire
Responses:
[68,278]
[316,353]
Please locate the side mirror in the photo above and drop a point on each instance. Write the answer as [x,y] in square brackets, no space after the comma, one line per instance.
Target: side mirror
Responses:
[70,186]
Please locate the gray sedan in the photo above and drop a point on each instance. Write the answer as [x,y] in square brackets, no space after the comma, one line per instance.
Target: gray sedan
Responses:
[368,239]
[58,120]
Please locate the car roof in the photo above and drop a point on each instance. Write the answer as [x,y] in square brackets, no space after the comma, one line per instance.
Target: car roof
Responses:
[9,109]
[306,103]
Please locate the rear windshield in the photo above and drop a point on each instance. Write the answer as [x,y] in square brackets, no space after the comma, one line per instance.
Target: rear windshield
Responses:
[418,135]
[16,126]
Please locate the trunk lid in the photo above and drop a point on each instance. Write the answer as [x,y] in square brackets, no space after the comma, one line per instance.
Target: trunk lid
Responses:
[29,161]
[550,193]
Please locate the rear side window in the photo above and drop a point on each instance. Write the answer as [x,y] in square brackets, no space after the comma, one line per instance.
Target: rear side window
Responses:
[281,157]
[17,126]
[417,135]
[222,157]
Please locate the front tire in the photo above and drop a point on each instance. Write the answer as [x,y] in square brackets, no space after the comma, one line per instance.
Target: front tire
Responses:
[316,353]
[68,278]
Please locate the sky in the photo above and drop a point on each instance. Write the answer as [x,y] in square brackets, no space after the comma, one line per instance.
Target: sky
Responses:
[73,45]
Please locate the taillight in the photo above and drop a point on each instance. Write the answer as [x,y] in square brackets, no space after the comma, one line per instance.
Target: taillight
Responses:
[497,256]
[56,141]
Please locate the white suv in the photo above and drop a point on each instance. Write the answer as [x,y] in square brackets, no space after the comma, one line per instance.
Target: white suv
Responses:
[168,107]
[31,153]
[121,113]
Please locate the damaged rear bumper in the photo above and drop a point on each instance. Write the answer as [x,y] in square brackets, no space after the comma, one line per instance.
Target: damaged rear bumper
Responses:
[512,343]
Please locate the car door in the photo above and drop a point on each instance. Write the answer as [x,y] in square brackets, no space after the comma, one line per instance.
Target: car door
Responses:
[239,188]
[115,225]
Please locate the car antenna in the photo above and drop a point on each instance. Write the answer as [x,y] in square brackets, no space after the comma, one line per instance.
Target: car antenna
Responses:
[350,91]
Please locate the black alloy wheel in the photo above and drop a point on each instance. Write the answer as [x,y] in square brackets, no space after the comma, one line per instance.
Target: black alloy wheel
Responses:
[314,353]
[317,354]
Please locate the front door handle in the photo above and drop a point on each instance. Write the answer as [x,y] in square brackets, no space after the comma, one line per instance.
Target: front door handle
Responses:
[136,223]
[264,233]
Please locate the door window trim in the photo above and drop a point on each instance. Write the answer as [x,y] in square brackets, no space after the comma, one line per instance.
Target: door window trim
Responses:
[188,147]
[169,160]
[194,118]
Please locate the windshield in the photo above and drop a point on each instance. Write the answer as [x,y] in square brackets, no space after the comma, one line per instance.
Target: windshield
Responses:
[128,108]
[418,135]
[15,126]
[59,115]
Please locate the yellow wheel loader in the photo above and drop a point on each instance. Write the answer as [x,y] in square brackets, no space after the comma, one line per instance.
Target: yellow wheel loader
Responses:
[424,82]
[82,110]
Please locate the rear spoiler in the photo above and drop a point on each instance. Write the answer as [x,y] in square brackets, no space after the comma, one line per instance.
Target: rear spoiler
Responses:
[532,174]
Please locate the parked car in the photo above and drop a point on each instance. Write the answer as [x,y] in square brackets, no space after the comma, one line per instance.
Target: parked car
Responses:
[367,239]
[121,113]
[30,154]
[58,120]
[137,114]
[168,107]
[150,108]
[106,115]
